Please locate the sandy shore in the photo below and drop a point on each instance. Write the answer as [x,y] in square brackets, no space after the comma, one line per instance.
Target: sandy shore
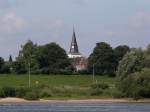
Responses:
[19,100]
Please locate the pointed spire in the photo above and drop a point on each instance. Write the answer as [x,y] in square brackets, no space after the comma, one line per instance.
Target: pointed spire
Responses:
[74,45]
[73,29]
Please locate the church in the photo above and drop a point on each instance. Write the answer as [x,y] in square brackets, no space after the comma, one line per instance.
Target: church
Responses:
[79,62]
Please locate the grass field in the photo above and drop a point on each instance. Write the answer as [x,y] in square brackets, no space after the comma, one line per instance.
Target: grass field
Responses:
[53,80]
[61,86]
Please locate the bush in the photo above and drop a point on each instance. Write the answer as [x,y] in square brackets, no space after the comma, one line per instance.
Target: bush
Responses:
[100,86]
[136,85]
[21,92]
[45,93]
[2,94]
[9,91]
[117,94]
[96,92]
[132,62]
[32,95]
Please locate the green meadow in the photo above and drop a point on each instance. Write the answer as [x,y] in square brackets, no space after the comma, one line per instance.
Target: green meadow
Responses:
[53,80]
[63,86]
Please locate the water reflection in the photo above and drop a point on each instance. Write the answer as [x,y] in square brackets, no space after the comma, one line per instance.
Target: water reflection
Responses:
[74,107]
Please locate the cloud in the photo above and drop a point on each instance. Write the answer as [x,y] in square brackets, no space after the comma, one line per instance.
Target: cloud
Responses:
[111,33]
[57,24]
[11,23]
[79,2]
[140,21]
[4,4]
[136,25]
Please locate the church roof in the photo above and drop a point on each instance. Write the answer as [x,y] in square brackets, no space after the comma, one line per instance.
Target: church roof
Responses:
[74,46]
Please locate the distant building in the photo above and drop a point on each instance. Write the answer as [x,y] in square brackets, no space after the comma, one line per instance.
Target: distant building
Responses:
[74,51]
[78,61]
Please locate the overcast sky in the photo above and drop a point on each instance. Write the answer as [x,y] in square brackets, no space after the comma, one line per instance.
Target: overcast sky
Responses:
[43,21]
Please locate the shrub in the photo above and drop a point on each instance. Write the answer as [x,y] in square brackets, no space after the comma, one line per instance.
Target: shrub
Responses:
[132,62]
[9,91]
[96,92]
[31,95]
[117,94]
[2,94]
[136,85]
[21,92]
[45,93]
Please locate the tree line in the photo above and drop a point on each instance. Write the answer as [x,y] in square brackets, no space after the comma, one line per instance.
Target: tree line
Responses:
[131,66]
[52,59]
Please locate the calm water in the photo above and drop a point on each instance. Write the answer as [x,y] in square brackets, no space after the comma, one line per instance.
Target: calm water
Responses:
[74,107]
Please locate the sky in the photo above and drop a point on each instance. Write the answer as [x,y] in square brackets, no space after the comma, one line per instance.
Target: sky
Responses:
[117,22]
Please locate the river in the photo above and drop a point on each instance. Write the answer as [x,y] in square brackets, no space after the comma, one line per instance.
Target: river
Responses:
[75,107]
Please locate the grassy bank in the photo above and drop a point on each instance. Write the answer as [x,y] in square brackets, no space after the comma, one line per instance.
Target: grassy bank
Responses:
[62,86]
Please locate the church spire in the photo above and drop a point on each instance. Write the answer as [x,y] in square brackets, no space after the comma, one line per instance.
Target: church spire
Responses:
[74,51]
[74,46]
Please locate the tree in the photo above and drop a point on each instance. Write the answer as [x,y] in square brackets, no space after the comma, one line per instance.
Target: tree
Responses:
[10,59]
[136,85]
[147,57]
[120,51]
[133,74]
[4,66]
[132,62]
[27,56]
[19,67]
[52,58]
[103,59]
[1,64]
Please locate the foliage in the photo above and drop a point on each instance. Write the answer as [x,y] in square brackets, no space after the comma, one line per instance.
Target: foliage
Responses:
[119,53]
[10,59]
[8,91]
[49,58]
[96,92]
[19,67]
[21,92]
[117,93]
[4,66]
[136,85]
[98,89]
[46,93]
[52,58]
[1,62]
[32,95]
[2,94]
[26,58]
[103,59]
[132,62]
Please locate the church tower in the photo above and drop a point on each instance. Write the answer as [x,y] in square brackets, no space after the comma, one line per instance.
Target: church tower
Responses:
[74,51]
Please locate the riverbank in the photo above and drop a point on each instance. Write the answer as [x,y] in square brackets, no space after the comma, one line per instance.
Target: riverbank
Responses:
[19,100]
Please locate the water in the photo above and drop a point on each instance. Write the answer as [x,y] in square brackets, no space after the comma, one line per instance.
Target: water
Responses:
[75,107]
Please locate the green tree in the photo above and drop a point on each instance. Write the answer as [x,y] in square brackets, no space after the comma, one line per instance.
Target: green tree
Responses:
[52,58]
[132,62]
[120,51]
[4,66]
[147,57]
[1,64]
[103,59]
[27,56]
[10,59]
[136,85]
